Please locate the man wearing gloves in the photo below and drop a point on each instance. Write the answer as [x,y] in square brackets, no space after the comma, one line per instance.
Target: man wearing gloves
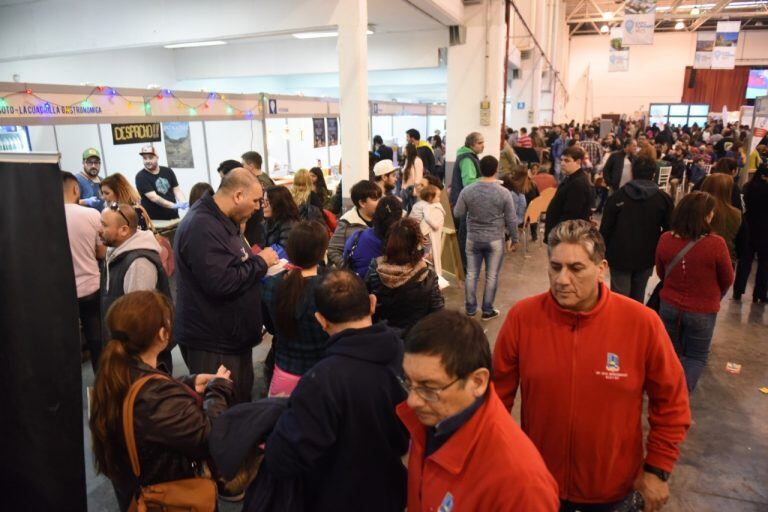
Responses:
[583,357]
[88,179]
[161,195]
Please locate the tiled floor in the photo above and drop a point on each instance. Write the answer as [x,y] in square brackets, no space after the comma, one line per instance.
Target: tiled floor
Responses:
[724,463]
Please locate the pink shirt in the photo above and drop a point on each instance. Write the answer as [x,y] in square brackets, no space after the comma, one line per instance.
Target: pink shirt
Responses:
[83,226]
[544,181]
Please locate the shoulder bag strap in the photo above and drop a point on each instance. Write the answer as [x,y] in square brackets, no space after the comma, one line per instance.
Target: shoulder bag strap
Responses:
[679,256]
[130,437]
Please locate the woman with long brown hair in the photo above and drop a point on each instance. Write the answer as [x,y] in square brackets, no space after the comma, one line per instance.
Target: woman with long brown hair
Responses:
[172,418]
[727,219]
[115,188]
[699,275]
[413,168]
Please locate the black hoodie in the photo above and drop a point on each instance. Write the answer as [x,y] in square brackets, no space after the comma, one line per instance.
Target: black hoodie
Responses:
[633,220]
[340,434]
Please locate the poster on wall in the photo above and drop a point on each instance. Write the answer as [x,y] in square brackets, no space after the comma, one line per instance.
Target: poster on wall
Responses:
[618,54]
[318,124]
[639,21]
[178,145]
[135,133]
[705,43]
[333,131]
[726,40]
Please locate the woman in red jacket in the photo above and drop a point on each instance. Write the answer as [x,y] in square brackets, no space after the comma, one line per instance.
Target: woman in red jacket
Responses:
[690,297]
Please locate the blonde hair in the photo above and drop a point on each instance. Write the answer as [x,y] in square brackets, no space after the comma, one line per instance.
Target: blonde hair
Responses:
[302,187]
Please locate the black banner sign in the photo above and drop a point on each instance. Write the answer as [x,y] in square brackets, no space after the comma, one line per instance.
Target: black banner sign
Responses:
[135,133]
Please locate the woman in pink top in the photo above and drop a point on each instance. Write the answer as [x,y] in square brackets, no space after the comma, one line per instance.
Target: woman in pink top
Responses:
[413,170]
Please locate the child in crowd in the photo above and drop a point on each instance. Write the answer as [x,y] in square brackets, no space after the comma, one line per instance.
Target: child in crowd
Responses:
[432,225]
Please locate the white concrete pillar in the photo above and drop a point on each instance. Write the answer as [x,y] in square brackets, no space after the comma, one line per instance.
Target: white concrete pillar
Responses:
[539,27]
[473,78]
[353,92]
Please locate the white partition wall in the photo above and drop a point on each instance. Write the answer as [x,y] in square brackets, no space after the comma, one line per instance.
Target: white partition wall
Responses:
[435,122]
[304,154]
[382,125]
[277,146]
[229,140]
[406,122]
[73,139]
[42,138]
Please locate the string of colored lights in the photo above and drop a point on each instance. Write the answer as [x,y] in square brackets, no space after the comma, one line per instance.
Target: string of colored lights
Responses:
[161,95]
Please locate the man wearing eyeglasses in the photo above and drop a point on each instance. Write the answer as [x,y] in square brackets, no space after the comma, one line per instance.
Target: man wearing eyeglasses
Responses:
[88,179]
[467,453]
[133,261]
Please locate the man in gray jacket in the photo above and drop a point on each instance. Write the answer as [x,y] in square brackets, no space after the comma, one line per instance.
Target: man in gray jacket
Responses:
[489,208]
[365,196]
[133,262]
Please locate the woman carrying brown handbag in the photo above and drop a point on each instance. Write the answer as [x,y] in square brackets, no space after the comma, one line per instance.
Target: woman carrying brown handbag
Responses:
[171,418]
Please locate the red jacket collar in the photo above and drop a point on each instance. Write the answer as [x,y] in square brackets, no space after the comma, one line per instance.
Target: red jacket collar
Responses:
[453,455]
[569,316]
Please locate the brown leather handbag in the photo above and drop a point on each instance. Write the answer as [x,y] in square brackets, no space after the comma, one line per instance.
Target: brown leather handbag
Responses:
[187,495]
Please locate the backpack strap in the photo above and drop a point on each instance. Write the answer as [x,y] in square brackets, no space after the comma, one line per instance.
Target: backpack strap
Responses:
[128,432]
[679,256]
[355,241]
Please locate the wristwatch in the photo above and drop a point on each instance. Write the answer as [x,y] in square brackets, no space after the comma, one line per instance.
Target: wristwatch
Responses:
[663,475]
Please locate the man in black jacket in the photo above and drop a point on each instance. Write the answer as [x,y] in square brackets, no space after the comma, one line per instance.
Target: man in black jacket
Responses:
[340,435]
[423,150]
[634,219]
[618,168]
[574,196]
[218,304]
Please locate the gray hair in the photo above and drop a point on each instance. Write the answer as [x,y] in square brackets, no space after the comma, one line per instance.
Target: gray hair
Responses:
[472,139]
[579,232]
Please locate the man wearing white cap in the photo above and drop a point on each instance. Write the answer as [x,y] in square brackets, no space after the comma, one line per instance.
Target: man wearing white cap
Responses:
[385,176]
[161,195]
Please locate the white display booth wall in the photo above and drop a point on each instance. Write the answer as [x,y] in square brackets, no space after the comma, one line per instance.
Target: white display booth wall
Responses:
[225,140]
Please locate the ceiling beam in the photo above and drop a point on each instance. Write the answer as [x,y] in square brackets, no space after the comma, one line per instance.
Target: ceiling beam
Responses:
[674,6]
[679,16]
[719,6]
[575,11]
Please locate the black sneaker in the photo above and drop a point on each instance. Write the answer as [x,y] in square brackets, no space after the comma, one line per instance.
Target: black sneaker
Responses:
[490,316]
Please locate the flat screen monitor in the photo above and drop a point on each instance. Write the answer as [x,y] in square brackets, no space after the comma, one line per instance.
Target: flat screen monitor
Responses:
[678,110]
[699,110]
[757,83]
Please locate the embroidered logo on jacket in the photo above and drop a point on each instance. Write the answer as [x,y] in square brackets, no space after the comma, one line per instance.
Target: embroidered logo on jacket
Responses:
[447,504]
[612,362]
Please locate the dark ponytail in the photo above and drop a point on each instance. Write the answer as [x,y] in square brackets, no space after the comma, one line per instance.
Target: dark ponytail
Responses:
[306,248]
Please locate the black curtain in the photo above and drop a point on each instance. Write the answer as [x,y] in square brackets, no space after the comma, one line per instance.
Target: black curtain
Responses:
[41,425]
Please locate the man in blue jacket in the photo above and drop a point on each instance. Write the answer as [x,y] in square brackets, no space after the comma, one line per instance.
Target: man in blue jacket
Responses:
[340,436]
[218,305]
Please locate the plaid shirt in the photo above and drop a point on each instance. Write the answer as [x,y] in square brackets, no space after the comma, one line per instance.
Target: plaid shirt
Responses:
[299,354]
[594,151]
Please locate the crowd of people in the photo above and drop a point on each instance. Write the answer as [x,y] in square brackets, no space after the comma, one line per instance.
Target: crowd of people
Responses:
[368,366]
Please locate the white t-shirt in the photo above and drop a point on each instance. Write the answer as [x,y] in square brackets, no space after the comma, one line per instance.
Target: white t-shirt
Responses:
[83,226]
[626,173]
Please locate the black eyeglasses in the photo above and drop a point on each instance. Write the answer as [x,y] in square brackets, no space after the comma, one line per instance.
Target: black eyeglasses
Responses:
[115,207]
[425,393]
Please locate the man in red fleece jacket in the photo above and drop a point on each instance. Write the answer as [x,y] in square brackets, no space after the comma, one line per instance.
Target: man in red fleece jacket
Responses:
[583,357]
[467,453]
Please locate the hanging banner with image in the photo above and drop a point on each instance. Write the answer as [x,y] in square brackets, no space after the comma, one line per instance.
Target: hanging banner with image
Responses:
[333,131]
[318,124]
[726,40]
[705,43]
[639,21]
[618,54]
[178,145]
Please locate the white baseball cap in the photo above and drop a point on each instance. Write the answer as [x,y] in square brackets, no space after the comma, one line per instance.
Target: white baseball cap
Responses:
[383,167]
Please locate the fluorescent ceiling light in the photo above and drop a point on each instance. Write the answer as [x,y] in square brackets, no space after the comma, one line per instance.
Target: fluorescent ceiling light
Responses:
[195,44]
[679,25]
[695,11]
[604,29]
[741,5]
[608,15]
[321,33]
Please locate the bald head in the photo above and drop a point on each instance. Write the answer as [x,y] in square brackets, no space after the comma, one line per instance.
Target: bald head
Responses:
[239,195]
[237,179]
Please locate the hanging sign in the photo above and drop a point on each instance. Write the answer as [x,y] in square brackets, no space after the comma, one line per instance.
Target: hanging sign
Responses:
[639,21]
[618,54]
[135,133]
[318,124]
[705,43]
[332,124]
[726,39]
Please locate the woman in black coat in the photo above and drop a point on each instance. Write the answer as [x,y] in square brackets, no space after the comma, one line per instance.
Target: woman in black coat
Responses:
[406,289]
[280,215]
[756,216]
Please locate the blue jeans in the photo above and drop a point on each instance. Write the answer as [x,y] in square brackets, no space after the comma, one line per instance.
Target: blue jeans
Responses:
[477,252]
[691,335]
